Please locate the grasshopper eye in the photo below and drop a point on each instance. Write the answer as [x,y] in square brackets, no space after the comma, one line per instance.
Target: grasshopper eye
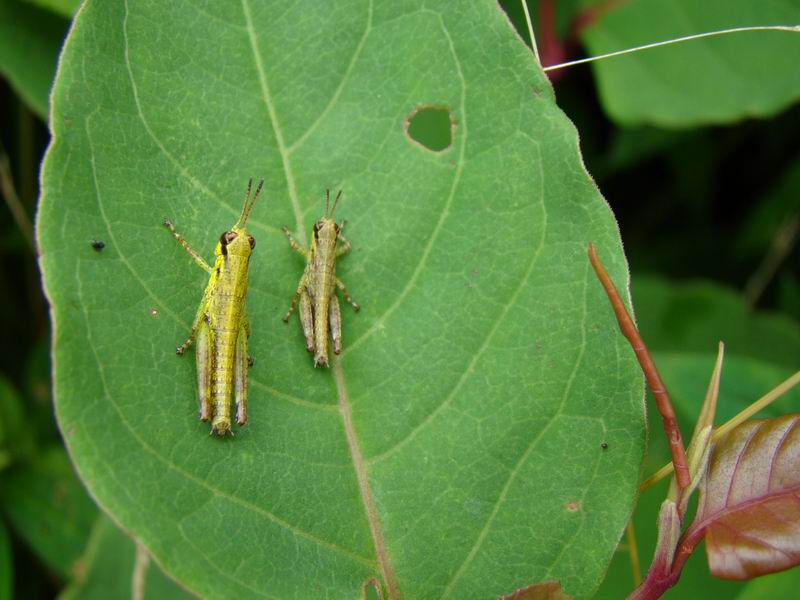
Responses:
[227,237]
[252,241]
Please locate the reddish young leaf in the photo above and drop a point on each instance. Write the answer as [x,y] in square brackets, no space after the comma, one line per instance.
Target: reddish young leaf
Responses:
[547,590]
[749,508]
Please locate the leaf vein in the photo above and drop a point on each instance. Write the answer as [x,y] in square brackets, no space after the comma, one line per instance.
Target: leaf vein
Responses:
[273,117]
[171,466]
[348,72]
[378,323]
[525,455]
[484,345]
[184,171]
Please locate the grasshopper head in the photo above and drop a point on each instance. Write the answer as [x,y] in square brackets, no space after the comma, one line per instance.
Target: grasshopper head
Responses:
[326,227]
[236,241]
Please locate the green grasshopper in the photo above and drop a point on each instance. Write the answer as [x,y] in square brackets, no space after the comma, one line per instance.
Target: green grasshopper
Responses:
[319,306]
[220,326]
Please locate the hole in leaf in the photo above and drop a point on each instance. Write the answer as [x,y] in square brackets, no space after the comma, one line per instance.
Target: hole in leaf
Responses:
[431,127]
[371,589]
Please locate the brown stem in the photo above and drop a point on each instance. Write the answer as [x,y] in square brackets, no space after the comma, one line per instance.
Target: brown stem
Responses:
[654,587]
[688,542]
[15,206]
[650,372]
[781,246]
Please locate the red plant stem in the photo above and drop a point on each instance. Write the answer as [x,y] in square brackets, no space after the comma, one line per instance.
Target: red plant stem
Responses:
[654,586]
[688,542]
[657,582]
[650,372]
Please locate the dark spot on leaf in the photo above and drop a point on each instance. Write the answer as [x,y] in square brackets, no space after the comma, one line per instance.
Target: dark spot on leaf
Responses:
[98,245]
[432,127]
[604,446]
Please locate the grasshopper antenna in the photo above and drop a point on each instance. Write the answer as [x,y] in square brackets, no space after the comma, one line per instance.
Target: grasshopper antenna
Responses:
[248,202]
[335,202]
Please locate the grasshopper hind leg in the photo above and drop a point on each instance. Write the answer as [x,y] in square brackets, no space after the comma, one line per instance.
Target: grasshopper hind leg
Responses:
[205,369]
[307,319]
[336,324]
[343,288]
[240,363]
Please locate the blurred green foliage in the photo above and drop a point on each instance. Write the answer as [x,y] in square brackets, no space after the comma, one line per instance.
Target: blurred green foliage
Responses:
[710,211]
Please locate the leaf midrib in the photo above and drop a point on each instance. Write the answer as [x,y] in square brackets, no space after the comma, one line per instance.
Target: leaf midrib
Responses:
[344,405]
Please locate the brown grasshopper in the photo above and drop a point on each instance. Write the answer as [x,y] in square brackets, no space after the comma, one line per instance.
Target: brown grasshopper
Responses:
[319,306]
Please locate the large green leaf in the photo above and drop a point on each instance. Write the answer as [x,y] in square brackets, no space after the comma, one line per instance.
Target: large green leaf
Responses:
[713,80]
[454,448]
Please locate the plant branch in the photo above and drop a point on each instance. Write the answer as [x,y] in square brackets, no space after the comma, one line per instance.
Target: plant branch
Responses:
[633,553]
[530,30]
[139,572]
[660,395]
[781,245]
[12,200]
[697,36]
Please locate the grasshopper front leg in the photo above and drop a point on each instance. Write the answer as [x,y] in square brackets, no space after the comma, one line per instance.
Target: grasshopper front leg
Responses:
[345,246]
[293,243]
[182,241]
